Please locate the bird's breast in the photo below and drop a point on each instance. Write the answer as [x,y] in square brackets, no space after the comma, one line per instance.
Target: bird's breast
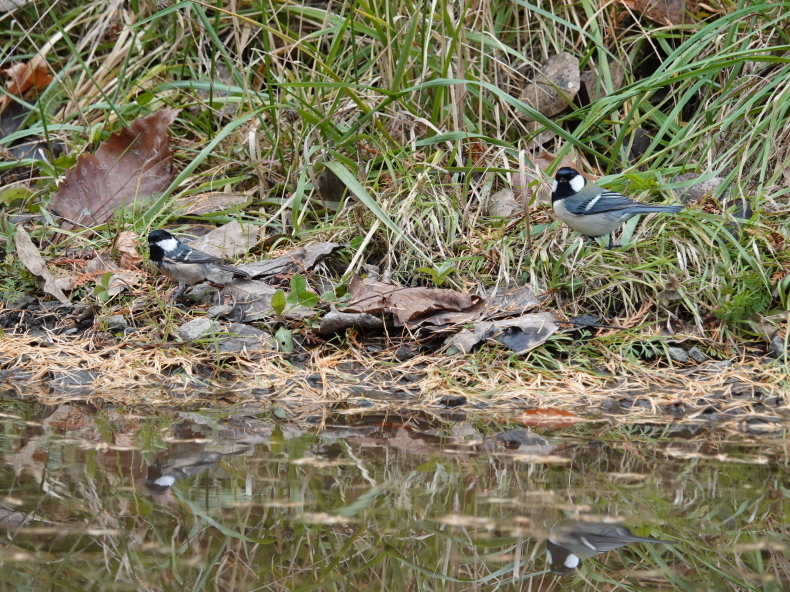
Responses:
[187,273]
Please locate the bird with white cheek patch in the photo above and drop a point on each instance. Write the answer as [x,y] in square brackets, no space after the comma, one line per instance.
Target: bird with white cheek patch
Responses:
[184,264]
[592,210]
[570,541]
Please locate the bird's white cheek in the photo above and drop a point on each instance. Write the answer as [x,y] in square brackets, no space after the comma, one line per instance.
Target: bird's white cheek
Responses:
[572,561]
[168,245]
[165,480]
[554,187]
[577,183]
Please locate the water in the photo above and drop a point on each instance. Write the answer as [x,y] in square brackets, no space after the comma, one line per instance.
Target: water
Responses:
[101,499]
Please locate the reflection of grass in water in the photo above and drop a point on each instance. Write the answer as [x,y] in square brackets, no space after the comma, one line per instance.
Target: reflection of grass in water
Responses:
[398,519]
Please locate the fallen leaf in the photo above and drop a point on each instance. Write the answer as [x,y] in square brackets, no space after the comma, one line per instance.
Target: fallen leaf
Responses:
[548,418]
[31,258]
[545,160]
[592,81]
[11,5]
[119,280]
[335,321]
[413,307]
[639,141]
[503,204]
[228,241]
[520,334]
[209,203]
[128,169]
[127,247]
[556,83]
[663,12]
[299,260]
[514,301]
[330,186]
[252,297]
[33,74]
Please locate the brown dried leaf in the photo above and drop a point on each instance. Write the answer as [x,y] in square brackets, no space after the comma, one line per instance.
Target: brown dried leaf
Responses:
[31,258]
[548,418]
[555,86]
[208,203]
[663,12]
[413,307]
[11,5]
[33,74]
[130,167]
[503,204]
[593,82]
[127,247]
[299,260]
[545,159]
[119,281]
[520,334]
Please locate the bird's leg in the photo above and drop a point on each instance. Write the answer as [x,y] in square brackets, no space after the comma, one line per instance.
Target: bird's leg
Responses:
[181,287]
[611,243]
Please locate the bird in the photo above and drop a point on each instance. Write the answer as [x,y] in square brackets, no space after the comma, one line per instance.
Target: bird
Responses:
[570,541]
[592,210]
[184,264]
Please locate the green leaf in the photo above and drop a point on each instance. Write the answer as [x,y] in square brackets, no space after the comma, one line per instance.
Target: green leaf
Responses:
[285,339]
[308,299]
[298,284]
[14,194]
[278,302]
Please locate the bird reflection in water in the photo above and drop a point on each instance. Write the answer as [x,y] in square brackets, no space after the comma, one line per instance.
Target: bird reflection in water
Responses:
[187,456]
[570,541]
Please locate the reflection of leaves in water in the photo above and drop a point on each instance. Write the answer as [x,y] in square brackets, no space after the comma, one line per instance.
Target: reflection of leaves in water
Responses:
[273,517]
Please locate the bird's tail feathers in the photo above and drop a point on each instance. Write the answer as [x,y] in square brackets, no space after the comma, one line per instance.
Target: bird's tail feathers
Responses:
[652,540]
[236,272]
[642,209]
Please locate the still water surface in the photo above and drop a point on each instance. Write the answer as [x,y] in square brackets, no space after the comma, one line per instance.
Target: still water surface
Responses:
[113,499]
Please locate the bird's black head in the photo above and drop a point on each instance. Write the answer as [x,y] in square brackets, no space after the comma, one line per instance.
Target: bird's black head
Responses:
[158,236]
[160,241]
[567,182]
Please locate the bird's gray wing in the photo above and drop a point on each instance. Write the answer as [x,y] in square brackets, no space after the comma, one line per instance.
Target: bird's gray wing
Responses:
[608,201]
[187,255]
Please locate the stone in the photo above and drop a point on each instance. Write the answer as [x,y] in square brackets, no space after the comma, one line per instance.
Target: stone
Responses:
[245,338]
[678,354]
[221,310]
[696,354]
[117,323]
[196,329]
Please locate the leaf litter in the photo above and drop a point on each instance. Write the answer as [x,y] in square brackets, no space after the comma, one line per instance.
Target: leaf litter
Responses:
[127,170]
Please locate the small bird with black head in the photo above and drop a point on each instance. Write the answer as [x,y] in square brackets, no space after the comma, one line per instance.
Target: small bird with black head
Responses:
[592,210]
[184,264]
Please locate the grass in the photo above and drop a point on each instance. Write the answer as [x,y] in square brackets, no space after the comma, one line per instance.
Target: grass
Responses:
[414,107]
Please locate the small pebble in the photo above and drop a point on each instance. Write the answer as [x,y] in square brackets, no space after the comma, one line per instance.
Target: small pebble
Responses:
[117,323]
[678,354]
[220,310]
[696,354]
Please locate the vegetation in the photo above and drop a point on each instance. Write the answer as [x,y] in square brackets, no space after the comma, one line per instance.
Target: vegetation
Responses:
[414,108]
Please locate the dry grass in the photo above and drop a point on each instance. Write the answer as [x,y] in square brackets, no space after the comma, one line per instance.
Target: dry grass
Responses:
[160,374]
